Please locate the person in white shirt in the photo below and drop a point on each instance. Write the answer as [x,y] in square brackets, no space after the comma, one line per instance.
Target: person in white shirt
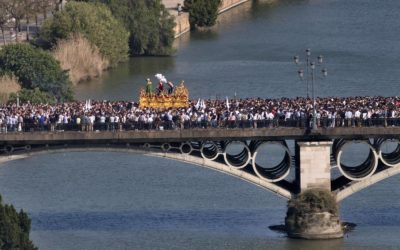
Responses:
[349,117]
[357,118]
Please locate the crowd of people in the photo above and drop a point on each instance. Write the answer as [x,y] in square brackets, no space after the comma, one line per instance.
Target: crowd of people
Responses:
[234,113]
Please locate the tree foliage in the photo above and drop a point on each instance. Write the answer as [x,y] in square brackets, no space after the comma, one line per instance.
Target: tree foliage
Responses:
[96,22]
[3,18]
[14,229]
[16,9]
[12,12]
[35,68]
[34,96]
[314,200]
[309,202]
[150,25]
[202,13]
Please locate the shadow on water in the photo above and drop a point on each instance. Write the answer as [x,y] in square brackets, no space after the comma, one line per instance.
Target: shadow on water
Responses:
[347,228]
[204,35]
[127,77]
[297,244]
[261,7]
[219,221]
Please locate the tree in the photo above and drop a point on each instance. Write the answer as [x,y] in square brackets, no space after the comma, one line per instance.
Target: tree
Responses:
[34,96]
[303,208]
[17,10]
[202,13]
[14,229]
[45,5]
[3,18]
[31,10]
[150,25]
[35,68]
[95,21]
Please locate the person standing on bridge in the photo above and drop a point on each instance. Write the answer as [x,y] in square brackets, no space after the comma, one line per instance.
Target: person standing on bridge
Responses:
[179,8]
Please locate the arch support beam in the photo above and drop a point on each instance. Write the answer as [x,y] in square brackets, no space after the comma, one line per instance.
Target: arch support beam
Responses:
[354,187]
[223,168]
[315,168]
[178,156]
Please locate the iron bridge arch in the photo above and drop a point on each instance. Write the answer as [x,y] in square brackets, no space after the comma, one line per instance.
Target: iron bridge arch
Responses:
[214,153]
[210,154]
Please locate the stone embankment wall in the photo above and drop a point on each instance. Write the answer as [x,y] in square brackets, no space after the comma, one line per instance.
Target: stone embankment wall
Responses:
[228,4]
[182,21]
[182,24]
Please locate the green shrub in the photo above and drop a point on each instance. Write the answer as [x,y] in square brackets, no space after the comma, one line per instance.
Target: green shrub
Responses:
[14,229]
[150,25]
[96,22]
[34,96]
[310,202]
[35,68]
[202,13]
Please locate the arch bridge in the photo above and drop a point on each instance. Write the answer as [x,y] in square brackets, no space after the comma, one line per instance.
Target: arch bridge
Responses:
[307,159]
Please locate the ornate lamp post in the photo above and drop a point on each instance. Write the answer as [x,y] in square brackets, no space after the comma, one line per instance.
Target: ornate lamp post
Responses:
[307,64]
[310,64]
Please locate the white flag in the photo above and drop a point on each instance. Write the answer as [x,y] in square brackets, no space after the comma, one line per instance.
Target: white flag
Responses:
[197,106]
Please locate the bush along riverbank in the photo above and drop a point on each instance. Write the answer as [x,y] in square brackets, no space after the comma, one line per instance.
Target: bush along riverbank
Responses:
[14,229]
[35,69]
[105,31]
[84,38]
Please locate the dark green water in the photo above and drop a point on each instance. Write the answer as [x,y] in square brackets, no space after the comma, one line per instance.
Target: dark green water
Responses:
[120,201]
[251,53]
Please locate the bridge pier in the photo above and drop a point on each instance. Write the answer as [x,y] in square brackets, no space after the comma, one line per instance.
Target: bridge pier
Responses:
[315,165]
[313,213]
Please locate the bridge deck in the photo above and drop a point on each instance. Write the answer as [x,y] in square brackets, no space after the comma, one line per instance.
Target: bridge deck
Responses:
[199,135]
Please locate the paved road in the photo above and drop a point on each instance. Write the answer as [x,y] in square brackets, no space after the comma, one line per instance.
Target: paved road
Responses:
[22,34]
[172,5]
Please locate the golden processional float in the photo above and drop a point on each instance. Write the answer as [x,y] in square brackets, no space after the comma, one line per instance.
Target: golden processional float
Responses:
[177,98]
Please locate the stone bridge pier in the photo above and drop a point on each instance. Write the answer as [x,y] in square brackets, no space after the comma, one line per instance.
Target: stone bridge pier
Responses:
[314,173]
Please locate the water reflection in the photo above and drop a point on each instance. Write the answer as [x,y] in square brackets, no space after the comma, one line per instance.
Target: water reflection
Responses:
[250,52]
[126,80]
[354,154]
[293,244]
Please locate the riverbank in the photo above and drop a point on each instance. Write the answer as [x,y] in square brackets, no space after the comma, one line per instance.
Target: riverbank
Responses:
[182,21]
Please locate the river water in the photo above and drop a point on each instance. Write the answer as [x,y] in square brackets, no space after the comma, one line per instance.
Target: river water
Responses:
[123,201]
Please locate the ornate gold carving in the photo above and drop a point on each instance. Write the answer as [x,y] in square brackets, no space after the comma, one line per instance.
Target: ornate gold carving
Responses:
[178,99]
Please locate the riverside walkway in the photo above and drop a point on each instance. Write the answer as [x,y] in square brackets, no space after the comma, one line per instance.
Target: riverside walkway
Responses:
[172,5]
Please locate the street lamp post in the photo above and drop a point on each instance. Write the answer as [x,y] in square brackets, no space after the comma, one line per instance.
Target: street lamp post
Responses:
[311,64]
[314,123]
[297,61]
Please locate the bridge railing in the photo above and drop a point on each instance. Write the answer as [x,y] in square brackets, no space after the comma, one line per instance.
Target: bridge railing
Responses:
[213,124]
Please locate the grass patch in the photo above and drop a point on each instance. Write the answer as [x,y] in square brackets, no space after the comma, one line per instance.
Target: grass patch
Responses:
[82,59]
[8,85]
